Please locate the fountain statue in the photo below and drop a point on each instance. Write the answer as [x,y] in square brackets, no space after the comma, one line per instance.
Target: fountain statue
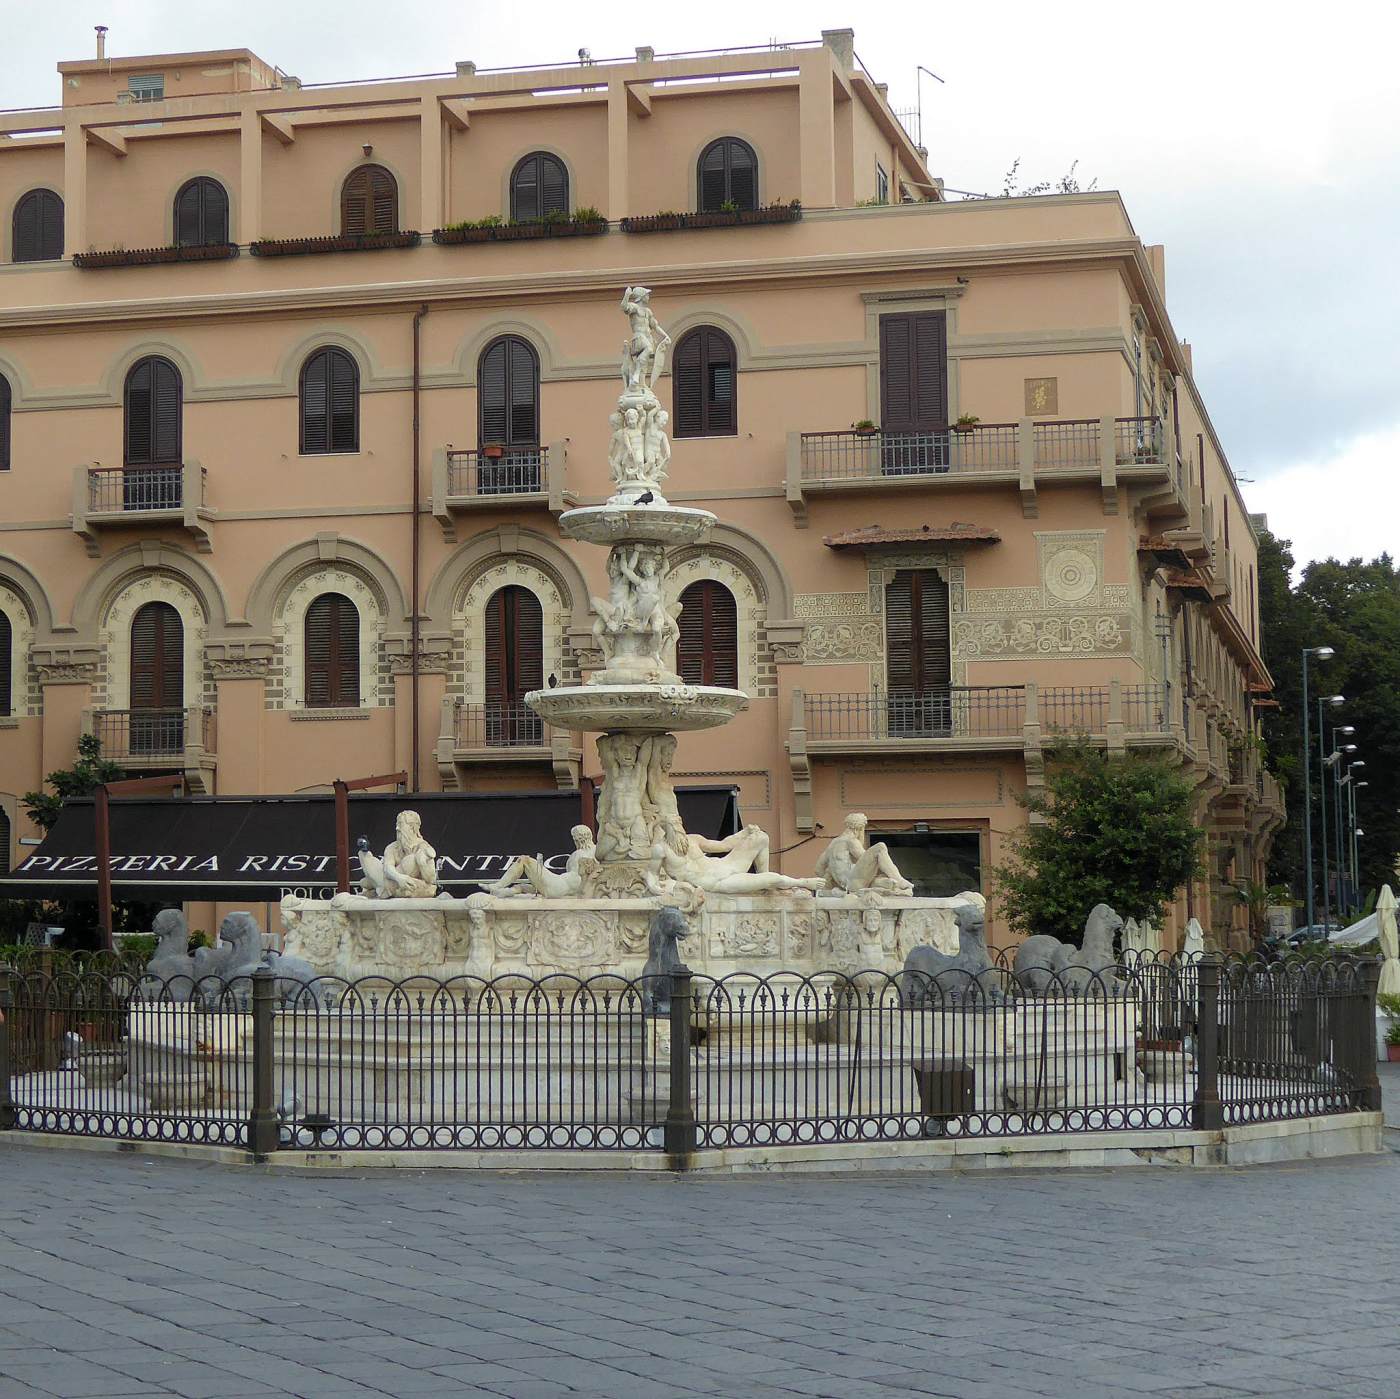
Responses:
[594,914]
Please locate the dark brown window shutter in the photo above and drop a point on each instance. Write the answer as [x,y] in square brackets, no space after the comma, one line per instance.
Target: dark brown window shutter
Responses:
[539,185]
[7,643]
[332,653]
[508,394]
[514,646]
[5,406]
[330,402]
[201,213]
[38,227]
[728,173]
[369,201]
[914,372]
[154,408]
[704,378]
[918,656]
[707,652]
[6,837]
[157,658]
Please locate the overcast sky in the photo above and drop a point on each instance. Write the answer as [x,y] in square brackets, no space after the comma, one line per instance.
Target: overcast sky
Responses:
[1260,143]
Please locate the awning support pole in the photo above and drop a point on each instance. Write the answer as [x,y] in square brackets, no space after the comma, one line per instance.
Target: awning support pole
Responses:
[342,791]
[102,841]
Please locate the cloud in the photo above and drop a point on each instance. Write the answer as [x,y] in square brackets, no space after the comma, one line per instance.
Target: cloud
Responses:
[1340,504]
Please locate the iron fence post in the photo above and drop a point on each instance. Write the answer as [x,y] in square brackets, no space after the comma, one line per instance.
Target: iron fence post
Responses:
[262,1120]
[7,1102]
[1368,1083]
[1208,1114]
[679,1132]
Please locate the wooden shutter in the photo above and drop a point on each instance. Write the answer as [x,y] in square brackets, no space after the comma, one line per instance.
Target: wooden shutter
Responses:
[539,185]
[728,173]
[6,836]
[5,405]
[201,213]
[330,402]
[914,372]
[514,646]
[918,656]
[38,227]
[369,201]
[704,377]
[154,407]
[7,643]
[157,658]
[332,652]
[707,651]
[508,393]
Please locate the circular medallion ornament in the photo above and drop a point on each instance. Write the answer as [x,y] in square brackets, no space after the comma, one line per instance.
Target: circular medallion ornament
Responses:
[1071,575]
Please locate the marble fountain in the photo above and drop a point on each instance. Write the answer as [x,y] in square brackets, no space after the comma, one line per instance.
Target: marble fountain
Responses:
[592,919]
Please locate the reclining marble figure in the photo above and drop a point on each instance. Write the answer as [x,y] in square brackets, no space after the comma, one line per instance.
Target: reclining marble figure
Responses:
[852,867]
[408,869]
[1044,964]
[531,874]
[931,977]
[738,864]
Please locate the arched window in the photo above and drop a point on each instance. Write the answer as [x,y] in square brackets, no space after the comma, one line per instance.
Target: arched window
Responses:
[154,407]
[201,213]
[918,653]
[369,201]
[539,185]
[508,394]
[332,653]
[330,402]
[707,652]
[704,384]
[4,423]
[157,716]
[514,635]
[7,644]
[728,175]
[38,227]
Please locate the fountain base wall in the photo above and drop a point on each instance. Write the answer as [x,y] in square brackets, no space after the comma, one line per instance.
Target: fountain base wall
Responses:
[352,937]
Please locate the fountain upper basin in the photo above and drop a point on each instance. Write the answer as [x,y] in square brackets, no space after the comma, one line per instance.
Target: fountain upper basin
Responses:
[659,523]
[648,708]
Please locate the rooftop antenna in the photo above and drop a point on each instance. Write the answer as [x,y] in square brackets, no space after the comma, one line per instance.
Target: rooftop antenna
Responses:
[101,40]
[919,72]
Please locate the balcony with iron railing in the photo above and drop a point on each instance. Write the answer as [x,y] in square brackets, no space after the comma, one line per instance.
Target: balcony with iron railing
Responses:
[503,734]
[125,497]
[496,478]
[159,739]
[1026,453]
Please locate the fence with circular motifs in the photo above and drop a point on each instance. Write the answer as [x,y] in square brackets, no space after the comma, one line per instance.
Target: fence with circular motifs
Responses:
[680,1062]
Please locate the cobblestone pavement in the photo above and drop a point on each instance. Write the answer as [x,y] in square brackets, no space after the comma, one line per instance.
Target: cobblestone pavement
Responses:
[124,1276]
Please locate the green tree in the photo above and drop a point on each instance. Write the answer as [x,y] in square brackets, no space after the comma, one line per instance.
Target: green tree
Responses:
[81,780]
[1114,829]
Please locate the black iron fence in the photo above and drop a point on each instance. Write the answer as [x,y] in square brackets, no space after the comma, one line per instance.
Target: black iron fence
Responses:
[683,1062]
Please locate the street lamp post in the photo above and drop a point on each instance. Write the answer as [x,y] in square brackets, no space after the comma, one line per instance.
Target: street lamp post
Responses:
[1339,750]
[1327,760]
[1323,653]
[1356,834]
[1346,819]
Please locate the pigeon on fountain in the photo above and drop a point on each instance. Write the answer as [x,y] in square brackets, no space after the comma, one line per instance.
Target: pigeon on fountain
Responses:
[645,498]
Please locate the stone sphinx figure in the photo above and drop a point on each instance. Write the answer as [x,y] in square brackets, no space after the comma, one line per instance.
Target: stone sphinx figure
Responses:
[408,869]
[738,864]
[170,972]
[239,953]
[530,874]
[931,977]
[667,928]
[1044,964]
[850,867]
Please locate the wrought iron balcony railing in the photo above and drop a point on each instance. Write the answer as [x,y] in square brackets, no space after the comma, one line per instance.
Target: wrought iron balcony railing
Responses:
[499,726]
[134,736]
[508,471]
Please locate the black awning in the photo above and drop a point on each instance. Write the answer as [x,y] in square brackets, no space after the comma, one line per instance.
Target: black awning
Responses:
[260,848]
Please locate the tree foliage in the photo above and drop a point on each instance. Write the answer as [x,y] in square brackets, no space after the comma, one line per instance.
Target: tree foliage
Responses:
[81,780]
[1114,829]
[1354,607]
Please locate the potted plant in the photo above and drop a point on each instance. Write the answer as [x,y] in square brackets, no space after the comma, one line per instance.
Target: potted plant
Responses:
[1388,1003]
[864,428]
[966,422]
[494,450]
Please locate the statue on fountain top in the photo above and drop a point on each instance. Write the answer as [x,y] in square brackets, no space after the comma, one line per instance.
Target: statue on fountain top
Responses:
[408,869]
[644,351]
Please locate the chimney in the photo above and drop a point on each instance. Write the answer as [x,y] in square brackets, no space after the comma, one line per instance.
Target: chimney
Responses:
[101,40]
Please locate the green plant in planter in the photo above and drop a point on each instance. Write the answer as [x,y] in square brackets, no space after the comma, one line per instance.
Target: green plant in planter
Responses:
[556,216]
[863,425]
[729,207]
[588,214]
[967,421]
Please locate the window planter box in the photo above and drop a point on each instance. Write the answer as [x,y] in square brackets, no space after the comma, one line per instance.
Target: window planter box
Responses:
[146,257]
[334,243]
[670,223]
[512,232]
